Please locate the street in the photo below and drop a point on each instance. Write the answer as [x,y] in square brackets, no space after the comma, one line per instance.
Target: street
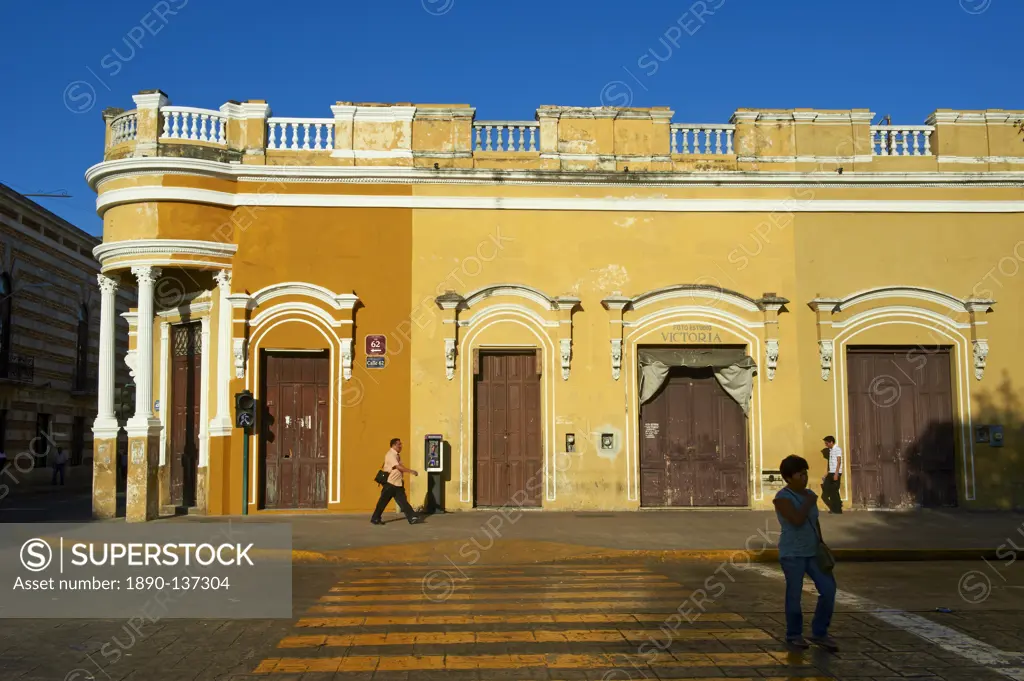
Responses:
[557,620]
[463,597]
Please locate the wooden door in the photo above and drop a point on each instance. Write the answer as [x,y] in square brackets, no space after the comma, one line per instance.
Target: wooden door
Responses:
[186,396]
[508,437]
[693,448]
[295,427]
[901,445]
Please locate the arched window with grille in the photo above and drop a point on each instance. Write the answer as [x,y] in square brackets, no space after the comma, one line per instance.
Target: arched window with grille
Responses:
[82,349]
[6,303]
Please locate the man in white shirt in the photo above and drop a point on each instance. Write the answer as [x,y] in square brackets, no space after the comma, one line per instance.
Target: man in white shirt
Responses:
[394,488]
[830,484]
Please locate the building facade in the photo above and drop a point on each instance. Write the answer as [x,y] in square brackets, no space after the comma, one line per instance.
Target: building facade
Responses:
[599,309]
[49,327]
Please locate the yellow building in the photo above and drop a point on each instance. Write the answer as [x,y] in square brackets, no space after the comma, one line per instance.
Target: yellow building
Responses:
[595,309]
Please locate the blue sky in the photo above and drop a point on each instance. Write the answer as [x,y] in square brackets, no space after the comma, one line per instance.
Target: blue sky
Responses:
[902,58]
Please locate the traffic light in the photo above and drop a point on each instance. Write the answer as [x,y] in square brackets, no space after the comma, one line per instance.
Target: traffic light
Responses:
[124,407]
[245,410]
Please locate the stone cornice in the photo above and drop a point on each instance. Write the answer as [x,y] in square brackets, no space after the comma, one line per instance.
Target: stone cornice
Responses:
[162,247]
[107,170]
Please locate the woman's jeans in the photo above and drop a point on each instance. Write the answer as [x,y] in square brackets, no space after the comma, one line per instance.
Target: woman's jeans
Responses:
[795,569]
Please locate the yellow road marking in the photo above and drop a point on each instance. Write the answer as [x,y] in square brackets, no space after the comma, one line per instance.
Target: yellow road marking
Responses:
[597,618]
[495,582]
[489,595]
[532,636]
[503,568]
[455,575]
[467,607]
[510,661]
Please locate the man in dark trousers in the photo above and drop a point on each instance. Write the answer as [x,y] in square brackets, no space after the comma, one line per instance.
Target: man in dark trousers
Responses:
[830,484]
[394,488]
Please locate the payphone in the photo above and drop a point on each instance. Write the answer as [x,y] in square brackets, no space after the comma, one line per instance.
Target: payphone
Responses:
[433,464]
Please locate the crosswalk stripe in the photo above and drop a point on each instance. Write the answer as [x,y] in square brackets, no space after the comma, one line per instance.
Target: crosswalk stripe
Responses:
[503,568]
[466,607]
[514,661]
[529,636]
[517,577]
[467,585]
[566,618]
[491,596]
[474,579]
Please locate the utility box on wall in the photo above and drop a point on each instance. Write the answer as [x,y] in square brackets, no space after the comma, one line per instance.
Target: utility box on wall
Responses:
[989,435]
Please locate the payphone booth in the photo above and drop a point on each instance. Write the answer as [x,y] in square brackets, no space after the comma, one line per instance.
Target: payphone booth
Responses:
[433,464]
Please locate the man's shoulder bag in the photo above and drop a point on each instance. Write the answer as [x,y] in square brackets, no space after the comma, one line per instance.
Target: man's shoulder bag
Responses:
[380,478]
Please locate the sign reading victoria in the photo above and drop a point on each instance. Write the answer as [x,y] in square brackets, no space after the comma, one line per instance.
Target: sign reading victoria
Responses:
[691,333]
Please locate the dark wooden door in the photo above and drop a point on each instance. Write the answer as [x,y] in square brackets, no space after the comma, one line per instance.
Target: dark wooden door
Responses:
[508,437]
[901,449]
[693,448]
[296,429]
[186,393]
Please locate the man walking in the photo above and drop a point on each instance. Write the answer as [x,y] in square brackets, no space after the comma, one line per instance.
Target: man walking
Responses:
[59,461]
[394,488]
[830,485]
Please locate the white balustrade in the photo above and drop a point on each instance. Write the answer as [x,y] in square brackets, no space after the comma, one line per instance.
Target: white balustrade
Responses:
[506,135]
[124,128]
[300,134]
[200,125]
[901,140]
[707,139]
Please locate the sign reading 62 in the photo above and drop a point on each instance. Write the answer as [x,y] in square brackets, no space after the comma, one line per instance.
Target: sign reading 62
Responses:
[376,345]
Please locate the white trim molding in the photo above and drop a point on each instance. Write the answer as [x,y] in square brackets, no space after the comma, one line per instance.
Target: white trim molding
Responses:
[826,349]
[346,358]
[771,351]
[980,357]
[338,301]
[921,293]
[145,250]
[565,350]
[519,290]
[449,358]
[238,348]
[653,204]
[106,170]
[616,357]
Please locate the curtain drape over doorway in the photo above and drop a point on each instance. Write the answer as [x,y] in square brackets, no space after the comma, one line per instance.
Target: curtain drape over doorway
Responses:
[734,369]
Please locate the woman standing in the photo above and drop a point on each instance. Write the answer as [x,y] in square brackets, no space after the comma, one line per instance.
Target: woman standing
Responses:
[797,510]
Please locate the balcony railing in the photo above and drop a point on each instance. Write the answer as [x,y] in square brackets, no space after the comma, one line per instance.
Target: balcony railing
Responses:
[901,140]
[435,135]
[124,128]
[702,133]
[19,368]
[198,125]
[300,134]
[505,136]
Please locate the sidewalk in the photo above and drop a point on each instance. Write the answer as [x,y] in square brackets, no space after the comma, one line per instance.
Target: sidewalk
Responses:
[40,480]
[513,536]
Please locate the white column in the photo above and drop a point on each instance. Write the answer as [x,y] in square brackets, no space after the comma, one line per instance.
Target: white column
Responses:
[222,422]
[165,386]
[204,405]
[143,422]
[105,426]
